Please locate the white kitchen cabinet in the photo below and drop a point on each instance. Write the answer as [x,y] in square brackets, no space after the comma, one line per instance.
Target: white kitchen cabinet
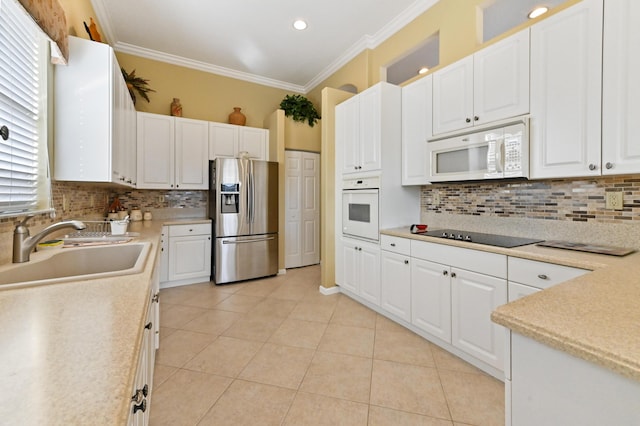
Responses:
[566,85]
[228,140]
[143,384]
[431,298]
[189,254]
[551,387]
[621,87]
[358,269]
[473,297]
[395,281]
[172,152]
[490,85]
[363,122]
[417,121]
[94,117]
[477,281]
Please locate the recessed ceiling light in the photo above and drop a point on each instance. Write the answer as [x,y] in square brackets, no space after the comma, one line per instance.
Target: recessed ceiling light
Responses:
[541,10]
[299,24]
[423,70]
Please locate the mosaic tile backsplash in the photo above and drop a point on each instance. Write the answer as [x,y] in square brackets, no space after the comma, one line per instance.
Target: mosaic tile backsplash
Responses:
[579,200]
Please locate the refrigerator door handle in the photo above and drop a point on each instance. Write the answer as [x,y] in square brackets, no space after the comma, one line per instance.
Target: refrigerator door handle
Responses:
[247,241]
[252,193]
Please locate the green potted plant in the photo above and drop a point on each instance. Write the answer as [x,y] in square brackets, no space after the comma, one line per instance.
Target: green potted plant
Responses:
[300,109]
[139,84]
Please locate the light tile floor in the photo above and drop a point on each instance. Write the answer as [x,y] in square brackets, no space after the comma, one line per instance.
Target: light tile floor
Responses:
[277,352]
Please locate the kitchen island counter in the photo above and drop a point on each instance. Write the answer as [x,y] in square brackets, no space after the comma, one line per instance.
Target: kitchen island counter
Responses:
[594,317]
[70,350]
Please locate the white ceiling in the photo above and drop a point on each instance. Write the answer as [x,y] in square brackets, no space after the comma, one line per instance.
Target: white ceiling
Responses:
[254,40]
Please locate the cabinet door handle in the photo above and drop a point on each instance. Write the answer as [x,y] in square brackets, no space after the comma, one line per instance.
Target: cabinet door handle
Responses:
[445,273]
[156,298]
[453,275]
[148,326]
[406,262]
[140,407]
[393,244]
[592,166]
[359,248]
[476,118]
[609,165]
[468,120]
[543,277]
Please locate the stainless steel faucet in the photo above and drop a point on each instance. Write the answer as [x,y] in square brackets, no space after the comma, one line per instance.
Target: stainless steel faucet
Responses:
[23,244]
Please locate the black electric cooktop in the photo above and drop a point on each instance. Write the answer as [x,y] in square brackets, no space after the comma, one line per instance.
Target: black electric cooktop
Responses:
[479,238]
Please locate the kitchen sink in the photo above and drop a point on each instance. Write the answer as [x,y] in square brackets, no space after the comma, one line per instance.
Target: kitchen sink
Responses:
[74,264]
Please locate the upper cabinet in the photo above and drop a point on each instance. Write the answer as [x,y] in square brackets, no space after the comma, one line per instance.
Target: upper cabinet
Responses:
[490,85]
[416,130]
[363,122]
[94,118]
[229,140]
[172,152]
[621,87]
[566,83]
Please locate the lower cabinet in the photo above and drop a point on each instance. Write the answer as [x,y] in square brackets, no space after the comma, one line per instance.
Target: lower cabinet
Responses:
[473,297]
[143,385]
[358,269]
[187,252]
[396,284]
[431,298]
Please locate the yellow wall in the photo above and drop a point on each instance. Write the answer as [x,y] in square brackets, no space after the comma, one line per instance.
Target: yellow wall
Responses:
[275,124]
[300,136]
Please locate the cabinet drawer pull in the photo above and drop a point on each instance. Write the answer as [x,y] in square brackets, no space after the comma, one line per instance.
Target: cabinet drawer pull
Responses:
[445,273]
[148,326]
[453,275]
[393,244]
[543,277]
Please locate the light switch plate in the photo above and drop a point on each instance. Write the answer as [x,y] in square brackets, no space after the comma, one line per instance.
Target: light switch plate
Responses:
[613,200]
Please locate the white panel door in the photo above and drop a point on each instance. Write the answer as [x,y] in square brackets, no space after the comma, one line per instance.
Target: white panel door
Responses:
[293,219]
[192,156]
[370,129]
[155,151]
[223,140]
[396,284]
[302,217]
[369,272]
[254,141]
[621,87]
[473,297]
[431,298]
[453,97]
[416,130]
[310,208]
[566,82]
[501,79]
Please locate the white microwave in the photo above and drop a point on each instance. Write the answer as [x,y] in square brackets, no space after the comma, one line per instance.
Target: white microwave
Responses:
[495,152]
[360,208]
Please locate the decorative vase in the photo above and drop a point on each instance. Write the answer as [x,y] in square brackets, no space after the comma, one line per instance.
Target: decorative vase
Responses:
[236,117]
[176,108]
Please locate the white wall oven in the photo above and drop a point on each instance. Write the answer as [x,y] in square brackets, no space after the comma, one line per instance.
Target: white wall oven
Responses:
[497,152]
[360,208]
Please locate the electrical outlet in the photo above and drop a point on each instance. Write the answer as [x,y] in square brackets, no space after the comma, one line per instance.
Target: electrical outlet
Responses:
[161,198]
[613,200]
[435,197]
[92,201]
[65,203]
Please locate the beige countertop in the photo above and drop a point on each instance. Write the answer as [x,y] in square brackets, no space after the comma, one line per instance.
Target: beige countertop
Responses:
[70,350]
[595,317]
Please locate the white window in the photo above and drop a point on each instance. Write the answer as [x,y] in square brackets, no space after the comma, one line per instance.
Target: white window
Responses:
[25,184]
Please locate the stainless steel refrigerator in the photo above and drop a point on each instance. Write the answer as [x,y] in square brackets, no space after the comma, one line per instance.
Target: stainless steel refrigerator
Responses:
[243,206]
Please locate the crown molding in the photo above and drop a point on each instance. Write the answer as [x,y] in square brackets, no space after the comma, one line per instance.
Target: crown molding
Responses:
[204,66]
[366,42]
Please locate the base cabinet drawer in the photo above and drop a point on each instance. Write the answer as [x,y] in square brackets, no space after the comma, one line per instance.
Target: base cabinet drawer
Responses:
[540,274]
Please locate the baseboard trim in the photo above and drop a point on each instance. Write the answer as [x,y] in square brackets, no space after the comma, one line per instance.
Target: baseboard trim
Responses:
[327,291]
[282,272]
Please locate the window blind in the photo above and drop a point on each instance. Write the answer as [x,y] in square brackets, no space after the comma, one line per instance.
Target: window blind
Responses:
[24,179]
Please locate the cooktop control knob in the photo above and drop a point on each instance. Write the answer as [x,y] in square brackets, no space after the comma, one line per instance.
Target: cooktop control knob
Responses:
[459,237]
[467,237]
[445,235]
[452,236]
